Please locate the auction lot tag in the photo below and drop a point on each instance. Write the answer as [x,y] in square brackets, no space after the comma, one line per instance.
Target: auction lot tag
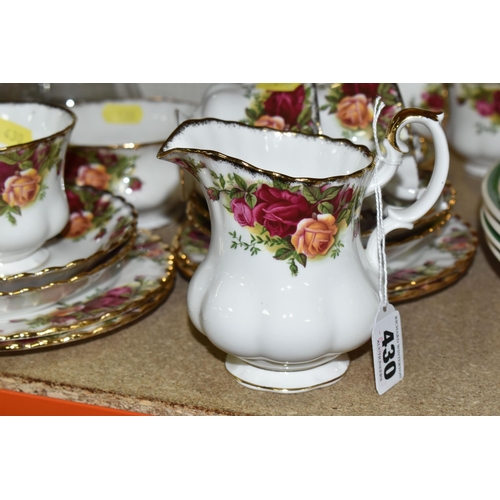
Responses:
[278,87]
[122,113]
[11,133]
[387,345]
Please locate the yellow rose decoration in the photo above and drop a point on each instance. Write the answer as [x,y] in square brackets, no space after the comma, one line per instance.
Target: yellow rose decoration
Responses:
[20,190]
[355,111]
[95,176]
[315,236]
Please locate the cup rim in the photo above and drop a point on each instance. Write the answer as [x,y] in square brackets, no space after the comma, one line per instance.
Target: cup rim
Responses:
[64,131]
[126,145]
[165,151]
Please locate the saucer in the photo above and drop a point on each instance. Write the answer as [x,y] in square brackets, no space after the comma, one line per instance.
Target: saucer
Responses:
[431,263]
[99,224]
[146,272]
[64,337]
[27,300]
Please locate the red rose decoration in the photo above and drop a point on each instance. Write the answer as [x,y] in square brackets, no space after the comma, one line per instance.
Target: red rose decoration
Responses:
[74,201]
[288,105]
[73,163]
[367,89]
[280,211]
[435,102]
[112,298]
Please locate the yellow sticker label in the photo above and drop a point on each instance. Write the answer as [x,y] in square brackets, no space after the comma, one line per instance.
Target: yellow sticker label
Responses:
[122,113]
[11,133]
[278,87]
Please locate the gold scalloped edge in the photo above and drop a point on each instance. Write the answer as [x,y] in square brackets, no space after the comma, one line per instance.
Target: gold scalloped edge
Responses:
[268,174]
[120,255]
[132,229]
[429,288]
[166,281]
[55,339]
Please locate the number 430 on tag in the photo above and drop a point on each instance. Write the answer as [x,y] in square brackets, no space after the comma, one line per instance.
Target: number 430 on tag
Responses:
[387,345]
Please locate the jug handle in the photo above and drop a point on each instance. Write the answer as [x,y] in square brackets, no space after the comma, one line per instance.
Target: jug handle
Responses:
[395,147]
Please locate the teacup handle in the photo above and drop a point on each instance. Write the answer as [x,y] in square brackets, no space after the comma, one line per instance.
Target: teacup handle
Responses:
[395,147]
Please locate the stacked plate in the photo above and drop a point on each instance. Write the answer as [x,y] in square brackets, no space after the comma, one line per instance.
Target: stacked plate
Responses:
[101,274]
[490,210]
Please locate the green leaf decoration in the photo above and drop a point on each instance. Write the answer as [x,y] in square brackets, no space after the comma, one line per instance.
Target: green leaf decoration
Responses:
[251,200]
[9,159]
[252,188]
[284,253]
[325,208]
[241,182]
[330,193]
[302,259]
[26,165]
[251,113]
[344,214]
[312,194]
[236,193]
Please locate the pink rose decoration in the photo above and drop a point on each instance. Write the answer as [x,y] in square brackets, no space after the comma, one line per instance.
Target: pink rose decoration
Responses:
[243,214]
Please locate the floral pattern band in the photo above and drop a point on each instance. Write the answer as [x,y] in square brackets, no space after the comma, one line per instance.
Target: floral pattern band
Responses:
[22,174]
[296,222]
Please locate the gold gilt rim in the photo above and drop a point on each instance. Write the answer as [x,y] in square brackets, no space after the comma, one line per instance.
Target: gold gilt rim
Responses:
[130,232]
[429,288]
[166,281]
[61,133]
[461,264]
[118,256]
[401,116]
[413,285]
[54,340]
[288,391]
[252,169]
[126,145]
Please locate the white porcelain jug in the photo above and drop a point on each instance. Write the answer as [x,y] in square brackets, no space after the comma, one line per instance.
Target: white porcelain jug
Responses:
[287,288]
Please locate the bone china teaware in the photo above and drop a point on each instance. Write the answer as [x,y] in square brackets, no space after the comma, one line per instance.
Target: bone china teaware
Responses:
[114,148]
[33,203]
[287,289]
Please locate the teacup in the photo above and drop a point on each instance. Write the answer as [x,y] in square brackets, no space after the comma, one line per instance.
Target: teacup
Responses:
[473,127]
[114,148]
[33,204]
